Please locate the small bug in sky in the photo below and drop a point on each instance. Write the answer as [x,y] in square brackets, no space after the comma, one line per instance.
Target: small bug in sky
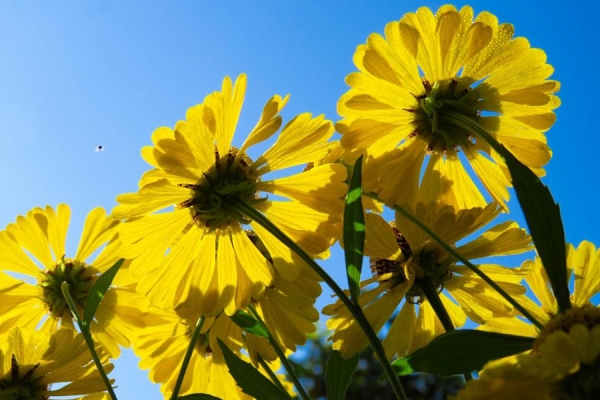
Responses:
[99,148]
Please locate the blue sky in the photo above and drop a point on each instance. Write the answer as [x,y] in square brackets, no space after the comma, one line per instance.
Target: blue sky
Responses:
[75,76]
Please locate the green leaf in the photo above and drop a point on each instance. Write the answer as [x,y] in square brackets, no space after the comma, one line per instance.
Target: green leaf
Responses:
[248,323]
[354,231]
[198,396]
[461,352]
[97,293]
[338,375]
[249,379]
[545,225]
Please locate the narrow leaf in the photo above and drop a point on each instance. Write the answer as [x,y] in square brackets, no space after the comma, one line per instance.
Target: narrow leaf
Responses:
[248,323]
[339,373]
[198,396]
[354,231]
[542,215]
[249,379]
[461,352]
[97,293]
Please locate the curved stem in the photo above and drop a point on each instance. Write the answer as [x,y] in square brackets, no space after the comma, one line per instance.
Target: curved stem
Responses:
[280,353]
[64,287]
[187,357]
[466,262]
[353,308]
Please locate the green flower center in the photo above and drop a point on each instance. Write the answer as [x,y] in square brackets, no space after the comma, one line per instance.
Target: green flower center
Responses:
[26,387]
[441,103]
[77,274]
[230,177]
[428,266]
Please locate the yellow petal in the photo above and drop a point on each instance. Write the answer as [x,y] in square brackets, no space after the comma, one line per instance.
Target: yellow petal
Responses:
[301,141]
[502,239]
[268,124]
[97,230]
[399,338]
[227,276]
[380,240]
[152,197]
[585,262]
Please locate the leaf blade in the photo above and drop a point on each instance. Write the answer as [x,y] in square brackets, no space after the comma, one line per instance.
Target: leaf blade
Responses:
[461,352]
[354,231]
[338,375]
[543,218]
[249,379]
[97,292]
[248,323]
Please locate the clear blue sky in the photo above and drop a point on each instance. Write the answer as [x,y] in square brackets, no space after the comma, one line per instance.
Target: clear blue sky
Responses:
[108,73]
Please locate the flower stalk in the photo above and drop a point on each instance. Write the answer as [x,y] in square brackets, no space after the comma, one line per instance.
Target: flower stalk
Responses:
[187,357]
[64,287]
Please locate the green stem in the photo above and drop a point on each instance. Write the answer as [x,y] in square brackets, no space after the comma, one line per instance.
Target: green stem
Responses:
[64,287]
[280,353]
[271,374]
[466,262]
[433,297]
[356,311]
[187,357]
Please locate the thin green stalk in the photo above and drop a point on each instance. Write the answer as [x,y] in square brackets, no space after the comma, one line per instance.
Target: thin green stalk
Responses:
[271,374]
[280,353]
[64,287]
[466,262]
[432,295]
[356,311]
[187,357]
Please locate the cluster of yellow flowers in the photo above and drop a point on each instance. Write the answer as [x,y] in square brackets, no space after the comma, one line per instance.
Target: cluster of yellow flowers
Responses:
[196,253]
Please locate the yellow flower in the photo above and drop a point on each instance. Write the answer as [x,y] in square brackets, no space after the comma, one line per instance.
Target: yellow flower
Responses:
[34,247]
[161,346]
[583,265]
[210,261]
[564,364]
[31,362]
[415,85]
[287,308]
[403,258]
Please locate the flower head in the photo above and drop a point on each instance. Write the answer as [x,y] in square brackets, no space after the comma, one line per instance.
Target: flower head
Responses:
[286,307]
[563,364]
[198,252]
[420,89]
[32,361]
[564,361]
[404,258]
[34,247]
